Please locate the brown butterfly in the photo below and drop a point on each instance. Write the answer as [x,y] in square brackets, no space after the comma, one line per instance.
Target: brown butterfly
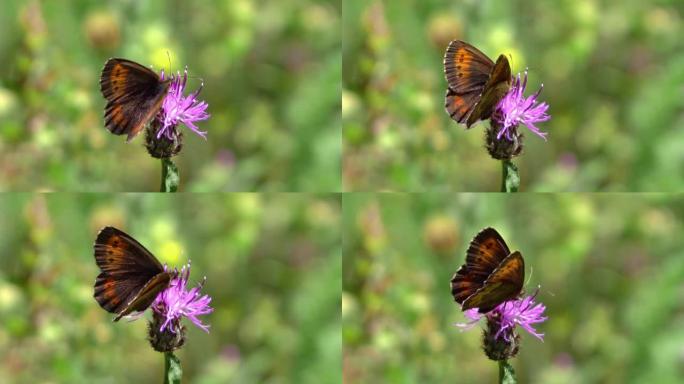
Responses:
[475,83]
[491,274]
[131,276]
[134,95]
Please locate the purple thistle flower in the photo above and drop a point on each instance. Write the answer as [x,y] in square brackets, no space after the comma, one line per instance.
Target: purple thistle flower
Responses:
[515,108]
[175,302]
[523,312]
[178,108]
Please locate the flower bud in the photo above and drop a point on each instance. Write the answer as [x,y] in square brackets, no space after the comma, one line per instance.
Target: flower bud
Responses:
[166,340]
[162,147]
[502,148]
[503,347]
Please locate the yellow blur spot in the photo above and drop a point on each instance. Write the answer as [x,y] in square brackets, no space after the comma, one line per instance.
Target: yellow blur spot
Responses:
[9,296]
[165,57]
[170,252]
[7,102]
[516,59]
[248,205]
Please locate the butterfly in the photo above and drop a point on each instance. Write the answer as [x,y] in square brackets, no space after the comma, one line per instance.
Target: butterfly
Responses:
[131,276]
[475,83]
[491,274]
[134,95]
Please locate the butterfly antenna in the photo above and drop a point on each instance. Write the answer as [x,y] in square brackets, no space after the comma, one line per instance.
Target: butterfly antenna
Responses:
[197,77]
[201,283]
[536,291]
[530,276]
[201,83]
[171,74]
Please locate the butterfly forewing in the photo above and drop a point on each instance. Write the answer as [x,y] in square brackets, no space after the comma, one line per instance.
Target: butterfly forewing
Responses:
[490,275]
[134,95]
[129,271]
[114,249]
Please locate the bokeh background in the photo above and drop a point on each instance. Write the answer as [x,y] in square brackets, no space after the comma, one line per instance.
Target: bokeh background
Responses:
[273,268]
[613,74]
[272,80]
[610,269]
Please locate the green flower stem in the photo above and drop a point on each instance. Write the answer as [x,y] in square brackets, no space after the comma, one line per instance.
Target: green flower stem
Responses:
[173,370]
[506,373]
[510,181]
[170,177]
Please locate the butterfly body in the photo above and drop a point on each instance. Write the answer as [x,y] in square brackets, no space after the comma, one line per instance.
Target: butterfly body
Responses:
[475,84]
[134,95]
[130,278]
[491,274]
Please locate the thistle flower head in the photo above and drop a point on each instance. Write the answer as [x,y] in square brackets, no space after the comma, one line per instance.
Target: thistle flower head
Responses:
[177,108]
[500,340]
[515,109]
[162,137]
[166,333]
[175,302]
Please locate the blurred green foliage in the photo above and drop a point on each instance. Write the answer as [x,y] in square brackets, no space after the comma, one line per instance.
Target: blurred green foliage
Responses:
[273,268]
[612,74]
[272,77]
[610,268]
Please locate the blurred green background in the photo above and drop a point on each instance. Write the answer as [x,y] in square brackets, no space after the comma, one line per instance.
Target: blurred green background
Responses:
[273,267]
[612,74]
[272,80]
[610,267]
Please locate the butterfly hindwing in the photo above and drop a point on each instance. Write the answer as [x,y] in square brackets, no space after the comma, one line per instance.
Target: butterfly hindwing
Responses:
[464,285]
[134,95]
[145,297]
[115,294]
[459,107]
